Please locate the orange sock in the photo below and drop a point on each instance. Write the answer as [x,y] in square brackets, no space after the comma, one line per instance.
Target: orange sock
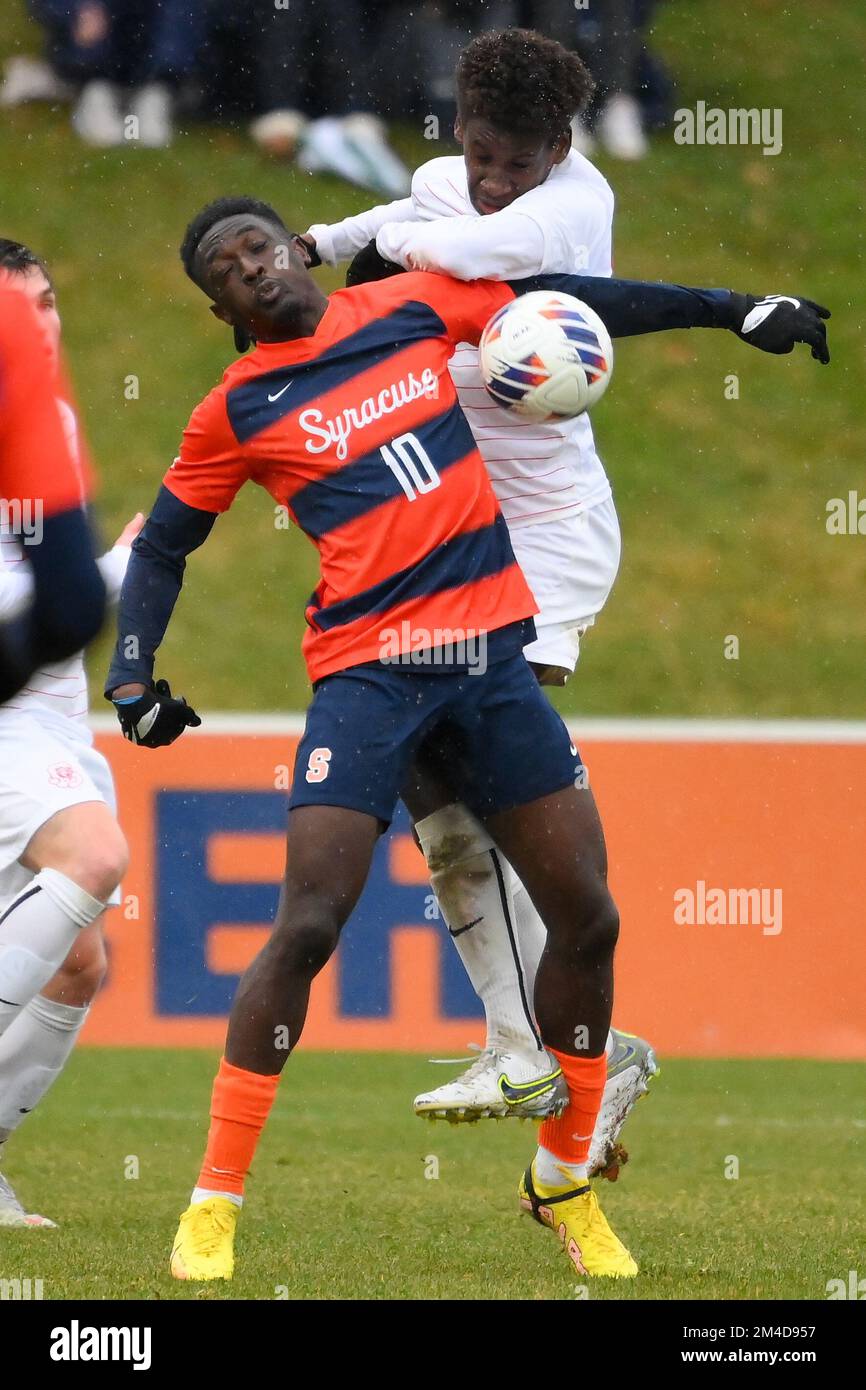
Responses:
[240,1105]
[569,1136]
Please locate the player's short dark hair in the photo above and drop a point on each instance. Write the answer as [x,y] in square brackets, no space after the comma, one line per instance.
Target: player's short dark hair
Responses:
[522,82]
[18,258]
[215,212]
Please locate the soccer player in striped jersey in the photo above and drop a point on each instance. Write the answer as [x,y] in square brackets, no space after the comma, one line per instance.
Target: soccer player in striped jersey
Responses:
[40,487]
[346,414]
[519,201]
[62,852]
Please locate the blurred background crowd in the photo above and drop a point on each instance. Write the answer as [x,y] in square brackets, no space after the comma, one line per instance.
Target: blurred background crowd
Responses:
[317,80]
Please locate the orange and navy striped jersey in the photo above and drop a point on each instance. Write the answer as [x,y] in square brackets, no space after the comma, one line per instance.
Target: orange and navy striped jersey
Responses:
[36,462]
[356,430]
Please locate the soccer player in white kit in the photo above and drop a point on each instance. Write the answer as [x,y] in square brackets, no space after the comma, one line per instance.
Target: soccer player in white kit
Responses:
[520,201]
[62,852]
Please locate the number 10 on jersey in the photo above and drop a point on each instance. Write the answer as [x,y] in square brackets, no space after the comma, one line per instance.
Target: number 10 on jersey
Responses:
[411,465]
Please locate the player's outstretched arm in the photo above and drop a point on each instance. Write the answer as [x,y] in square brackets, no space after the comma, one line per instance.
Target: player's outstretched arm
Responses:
[629,307]
[147,711]
[501,246]
[342,240]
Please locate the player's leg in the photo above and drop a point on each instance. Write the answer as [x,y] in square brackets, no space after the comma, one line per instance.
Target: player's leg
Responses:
[55,822]
[361,732]
[61,858]
[527,785]
[473,886]
[37,1045]
[557,847]
[328,857]
[77,859]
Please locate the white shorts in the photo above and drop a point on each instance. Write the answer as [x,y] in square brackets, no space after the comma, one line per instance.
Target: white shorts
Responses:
[570,566]
[42,771]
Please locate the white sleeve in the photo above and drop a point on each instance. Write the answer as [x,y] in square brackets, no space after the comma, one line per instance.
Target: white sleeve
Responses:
[16,585]
[575,223]
[112,566]
[341,240]
[16,591]
[503,246]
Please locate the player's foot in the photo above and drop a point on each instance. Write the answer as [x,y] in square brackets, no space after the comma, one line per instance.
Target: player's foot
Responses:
[325,149]
[499,1083]
[96,118]
[631,1066]
[574,1214]
[154,108]
[386,172]
[12,1213]
[204,1244]
[31,79]
[279,132]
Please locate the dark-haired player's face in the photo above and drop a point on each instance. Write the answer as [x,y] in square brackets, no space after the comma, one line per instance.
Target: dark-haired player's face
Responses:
[256,276]
[501,166]
[40,292]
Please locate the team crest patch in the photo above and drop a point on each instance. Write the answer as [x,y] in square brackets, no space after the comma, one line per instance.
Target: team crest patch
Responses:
[65,775]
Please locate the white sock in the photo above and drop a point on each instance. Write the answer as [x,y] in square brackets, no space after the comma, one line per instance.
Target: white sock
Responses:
[554,1172]
[204,1194]
[471,880]
[33,1052]
[37,931]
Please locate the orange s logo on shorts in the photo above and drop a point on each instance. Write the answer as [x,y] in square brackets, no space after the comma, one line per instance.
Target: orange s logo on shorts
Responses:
[318,764]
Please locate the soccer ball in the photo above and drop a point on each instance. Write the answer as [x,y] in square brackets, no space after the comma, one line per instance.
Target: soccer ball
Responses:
[546,356]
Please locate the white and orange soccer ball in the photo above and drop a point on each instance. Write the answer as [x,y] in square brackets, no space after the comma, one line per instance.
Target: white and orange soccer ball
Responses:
[546,356]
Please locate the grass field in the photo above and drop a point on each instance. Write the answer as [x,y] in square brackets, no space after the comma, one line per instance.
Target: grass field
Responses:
[340,1207]
[723,502]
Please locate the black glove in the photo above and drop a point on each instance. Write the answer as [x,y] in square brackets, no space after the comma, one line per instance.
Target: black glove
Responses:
[156,718]
[776,322]
[314,257]
[369,265]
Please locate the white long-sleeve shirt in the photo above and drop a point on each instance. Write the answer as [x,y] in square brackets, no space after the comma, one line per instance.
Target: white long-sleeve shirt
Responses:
[540,472]
[58,691]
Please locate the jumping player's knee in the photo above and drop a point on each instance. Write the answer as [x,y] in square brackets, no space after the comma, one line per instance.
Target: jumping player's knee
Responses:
[591,932]
[100,867]
[308,930]
[599,927]
[86,844]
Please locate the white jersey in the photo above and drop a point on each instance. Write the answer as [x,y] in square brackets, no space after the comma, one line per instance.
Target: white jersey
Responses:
[540,472]
[57,693]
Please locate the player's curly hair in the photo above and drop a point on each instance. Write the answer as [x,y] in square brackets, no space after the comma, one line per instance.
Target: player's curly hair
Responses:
[18,258]
[215,212]
[521,81]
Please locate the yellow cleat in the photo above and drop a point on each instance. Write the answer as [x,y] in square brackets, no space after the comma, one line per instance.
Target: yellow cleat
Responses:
[574,1213]
[204,1244]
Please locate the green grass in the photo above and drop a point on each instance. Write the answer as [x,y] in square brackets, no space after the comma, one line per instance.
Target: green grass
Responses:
[723,503]
[339,1206]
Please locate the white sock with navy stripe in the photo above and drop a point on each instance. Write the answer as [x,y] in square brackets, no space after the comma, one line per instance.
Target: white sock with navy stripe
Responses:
[33,1052]
[472,882]
[37,931]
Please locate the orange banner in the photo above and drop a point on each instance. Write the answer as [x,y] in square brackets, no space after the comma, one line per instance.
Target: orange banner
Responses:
[737,868]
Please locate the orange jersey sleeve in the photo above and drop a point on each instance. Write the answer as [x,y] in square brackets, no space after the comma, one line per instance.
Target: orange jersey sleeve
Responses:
[36,460]
[210,469]
[464,306]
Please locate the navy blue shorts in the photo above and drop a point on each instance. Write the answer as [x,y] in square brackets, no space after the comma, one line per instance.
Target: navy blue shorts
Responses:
[366,725]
